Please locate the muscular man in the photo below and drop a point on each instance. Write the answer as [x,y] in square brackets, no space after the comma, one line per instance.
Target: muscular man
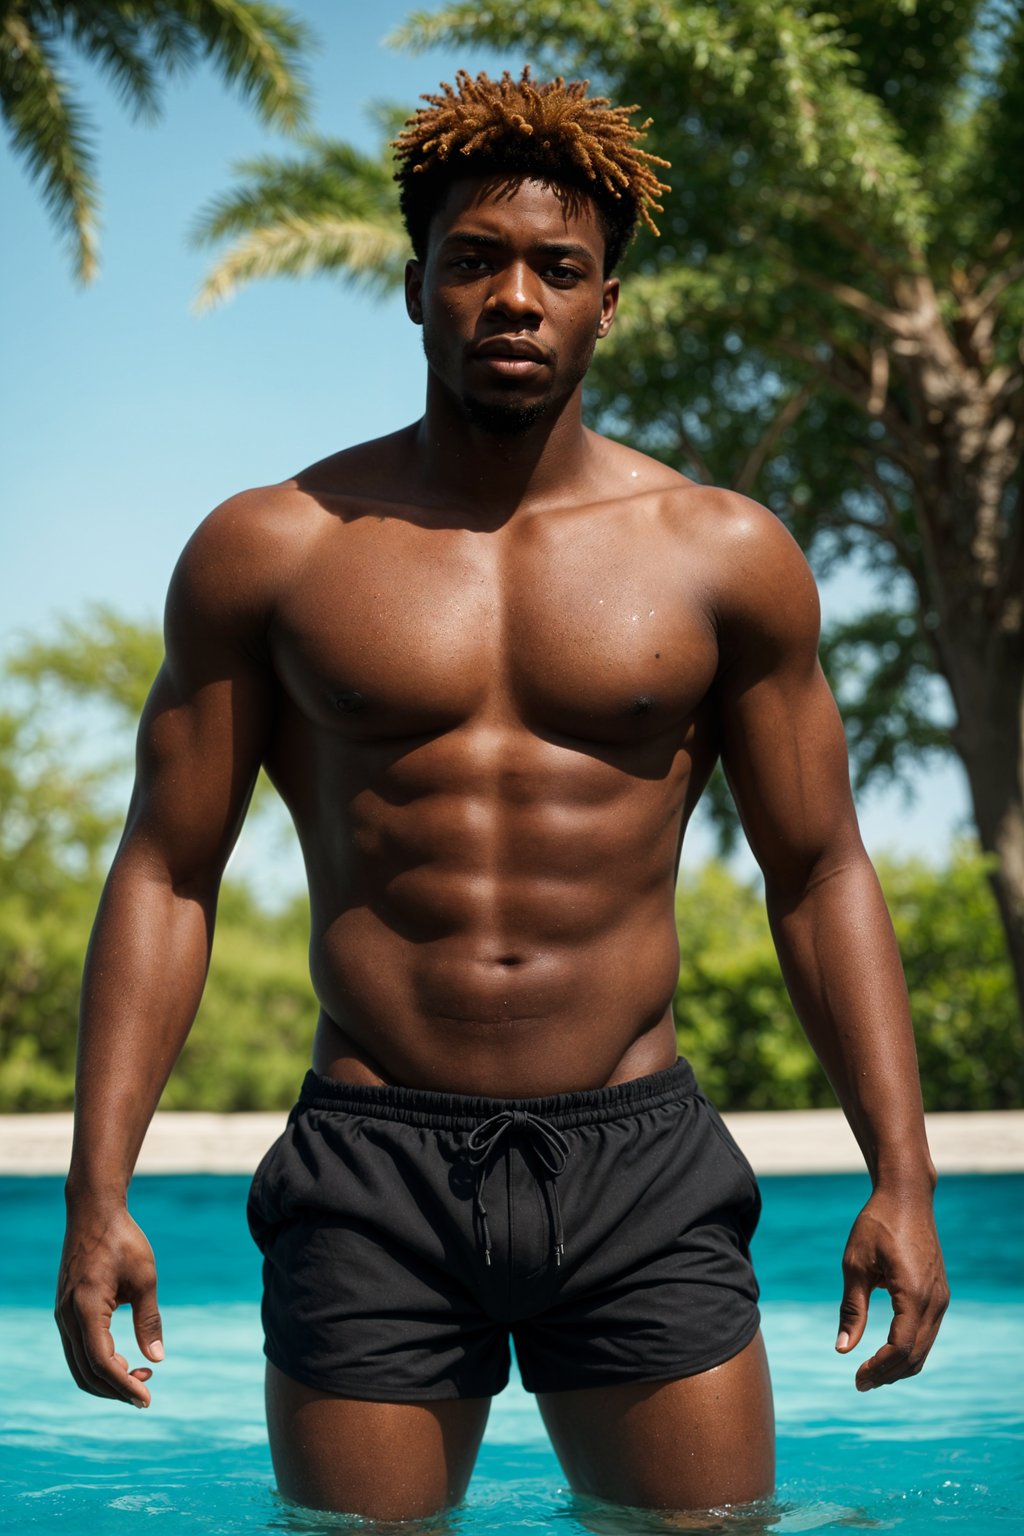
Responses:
[489,662]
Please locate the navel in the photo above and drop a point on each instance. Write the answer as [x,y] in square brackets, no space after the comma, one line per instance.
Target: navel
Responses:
[643,704]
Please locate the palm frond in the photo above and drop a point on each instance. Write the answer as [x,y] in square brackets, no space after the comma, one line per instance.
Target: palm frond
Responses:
[49,130]
[258,48]
[388,117]
[369,254]
[331,178]
[115,39]
[170,31]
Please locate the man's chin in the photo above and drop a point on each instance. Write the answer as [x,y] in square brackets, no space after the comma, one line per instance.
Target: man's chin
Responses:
[505,418]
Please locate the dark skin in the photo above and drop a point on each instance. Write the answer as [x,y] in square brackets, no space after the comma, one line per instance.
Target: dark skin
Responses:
[489,673]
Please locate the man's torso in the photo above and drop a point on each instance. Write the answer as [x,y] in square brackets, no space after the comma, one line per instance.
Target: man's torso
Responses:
[490,740]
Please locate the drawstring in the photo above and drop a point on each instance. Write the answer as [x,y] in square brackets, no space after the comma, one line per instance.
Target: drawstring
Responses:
[548,1143]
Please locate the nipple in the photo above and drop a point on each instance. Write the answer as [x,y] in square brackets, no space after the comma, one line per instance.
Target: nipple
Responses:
[349,701]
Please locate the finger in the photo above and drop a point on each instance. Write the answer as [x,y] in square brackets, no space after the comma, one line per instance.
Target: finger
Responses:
[140,1372]
[853,1312]
[84,1378]
[148,1326]
[98,1350]
[903,1352]
[893,1363]
[885,1366]
[74,1354]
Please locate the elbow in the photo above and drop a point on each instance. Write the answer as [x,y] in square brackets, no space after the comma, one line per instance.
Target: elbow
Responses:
[143,863]
[800,872]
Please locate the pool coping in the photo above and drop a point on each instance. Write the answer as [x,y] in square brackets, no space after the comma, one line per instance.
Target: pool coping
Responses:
[776,1141]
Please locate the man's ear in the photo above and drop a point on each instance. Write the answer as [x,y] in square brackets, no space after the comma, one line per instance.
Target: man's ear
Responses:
[413,290]
[609,304]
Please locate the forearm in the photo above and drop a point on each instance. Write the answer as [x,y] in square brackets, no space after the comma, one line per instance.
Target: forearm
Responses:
[144,974]
[841,964]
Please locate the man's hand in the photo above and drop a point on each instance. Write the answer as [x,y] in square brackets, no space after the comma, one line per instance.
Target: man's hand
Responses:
[893,1245]
[106,1261]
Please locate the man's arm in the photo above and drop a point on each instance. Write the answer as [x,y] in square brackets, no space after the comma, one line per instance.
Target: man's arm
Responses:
[784,755]
[201,738]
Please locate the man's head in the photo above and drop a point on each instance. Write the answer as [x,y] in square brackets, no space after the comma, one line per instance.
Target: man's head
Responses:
[519,200]
[551,132]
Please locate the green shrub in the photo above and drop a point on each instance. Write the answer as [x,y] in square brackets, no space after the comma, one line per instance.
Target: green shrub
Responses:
[735,1022]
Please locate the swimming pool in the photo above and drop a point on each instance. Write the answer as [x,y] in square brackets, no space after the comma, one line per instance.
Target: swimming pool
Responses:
[942,1451]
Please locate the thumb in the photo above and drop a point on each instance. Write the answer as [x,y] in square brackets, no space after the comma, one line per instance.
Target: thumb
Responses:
[148,1326]
[853,1312]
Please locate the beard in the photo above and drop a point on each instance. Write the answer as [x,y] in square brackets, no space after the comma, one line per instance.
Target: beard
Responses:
[512,417]
[504,419]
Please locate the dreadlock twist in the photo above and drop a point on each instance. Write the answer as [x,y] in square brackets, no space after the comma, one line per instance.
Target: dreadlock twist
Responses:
[552,132]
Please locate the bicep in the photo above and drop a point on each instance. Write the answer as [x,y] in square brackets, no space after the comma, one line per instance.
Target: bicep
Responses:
[782,742]
[205,727]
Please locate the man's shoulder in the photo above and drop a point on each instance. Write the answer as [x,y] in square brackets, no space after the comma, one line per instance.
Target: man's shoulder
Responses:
[729,520]
[266,522]
[375,470]
[725,521]
[764,595]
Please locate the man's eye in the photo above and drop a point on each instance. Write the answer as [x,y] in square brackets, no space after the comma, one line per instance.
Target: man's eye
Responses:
[469,263]
[564,274]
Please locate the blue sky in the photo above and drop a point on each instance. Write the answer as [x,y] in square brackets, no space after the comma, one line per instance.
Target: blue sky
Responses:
[127,417]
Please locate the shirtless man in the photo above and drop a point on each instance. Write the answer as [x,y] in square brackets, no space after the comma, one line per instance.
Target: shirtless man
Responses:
[489,662]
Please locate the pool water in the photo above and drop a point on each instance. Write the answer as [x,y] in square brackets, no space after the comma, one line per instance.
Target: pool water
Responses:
[941,1451]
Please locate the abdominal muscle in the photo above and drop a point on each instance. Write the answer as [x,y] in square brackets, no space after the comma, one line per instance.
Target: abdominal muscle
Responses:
[500,987]
[491,913]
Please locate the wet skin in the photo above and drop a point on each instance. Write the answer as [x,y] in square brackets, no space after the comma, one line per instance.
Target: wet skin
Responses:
[489,673]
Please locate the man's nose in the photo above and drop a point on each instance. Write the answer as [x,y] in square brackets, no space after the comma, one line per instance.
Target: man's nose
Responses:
[513,293]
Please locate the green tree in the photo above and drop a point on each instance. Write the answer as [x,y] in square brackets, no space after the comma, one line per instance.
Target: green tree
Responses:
[734,1019]
[62,803]
[256,47]
[831,322]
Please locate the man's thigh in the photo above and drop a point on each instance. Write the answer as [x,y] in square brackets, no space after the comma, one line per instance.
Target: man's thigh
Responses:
[387,1461]
[691,1443]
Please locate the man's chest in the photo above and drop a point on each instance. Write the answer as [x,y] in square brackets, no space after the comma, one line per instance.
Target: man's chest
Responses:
[394,630]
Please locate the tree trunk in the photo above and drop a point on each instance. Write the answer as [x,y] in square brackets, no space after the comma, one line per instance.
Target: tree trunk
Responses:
[966,447]
[989,736]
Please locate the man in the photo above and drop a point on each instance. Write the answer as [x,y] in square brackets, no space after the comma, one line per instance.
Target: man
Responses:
[490,662]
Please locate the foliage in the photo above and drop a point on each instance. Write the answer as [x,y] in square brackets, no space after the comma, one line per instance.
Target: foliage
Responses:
[251,1042]
[330,209]
[99,656]
[256,48]
[59,818]
[737,1025]
[255,1023]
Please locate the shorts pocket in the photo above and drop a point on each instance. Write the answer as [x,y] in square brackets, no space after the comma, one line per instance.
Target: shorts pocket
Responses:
[259,1211]
[734,1149]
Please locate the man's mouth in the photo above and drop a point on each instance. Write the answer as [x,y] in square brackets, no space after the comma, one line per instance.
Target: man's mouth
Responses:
[513,356]
[513,366]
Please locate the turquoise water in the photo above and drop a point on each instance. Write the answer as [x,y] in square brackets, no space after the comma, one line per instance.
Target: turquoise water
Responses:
[940,1452]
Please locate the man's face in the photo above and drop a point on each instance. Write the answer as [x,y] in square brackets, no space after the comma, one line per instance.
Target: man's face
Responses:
[511,298]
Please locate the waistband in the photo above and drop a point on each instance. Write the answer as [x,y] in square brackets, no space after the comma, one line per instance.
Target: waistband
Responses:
[461,1111]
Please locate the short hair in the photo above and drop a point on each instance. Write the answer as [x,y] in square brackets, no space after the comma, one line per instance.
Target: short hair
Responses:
[551,132]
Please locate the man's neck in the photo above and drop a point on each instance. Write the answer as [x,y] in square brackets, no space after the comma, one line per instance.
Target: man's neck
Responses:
[495,474]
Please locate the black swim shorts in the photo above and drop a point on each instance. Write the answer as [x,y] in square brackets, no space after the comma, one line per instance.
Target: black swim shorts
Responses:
[406,1233]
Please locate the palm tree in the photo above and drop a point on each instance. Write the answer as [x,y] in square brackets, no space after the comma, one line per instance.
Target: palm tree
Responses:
[256,47]
[332,209]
